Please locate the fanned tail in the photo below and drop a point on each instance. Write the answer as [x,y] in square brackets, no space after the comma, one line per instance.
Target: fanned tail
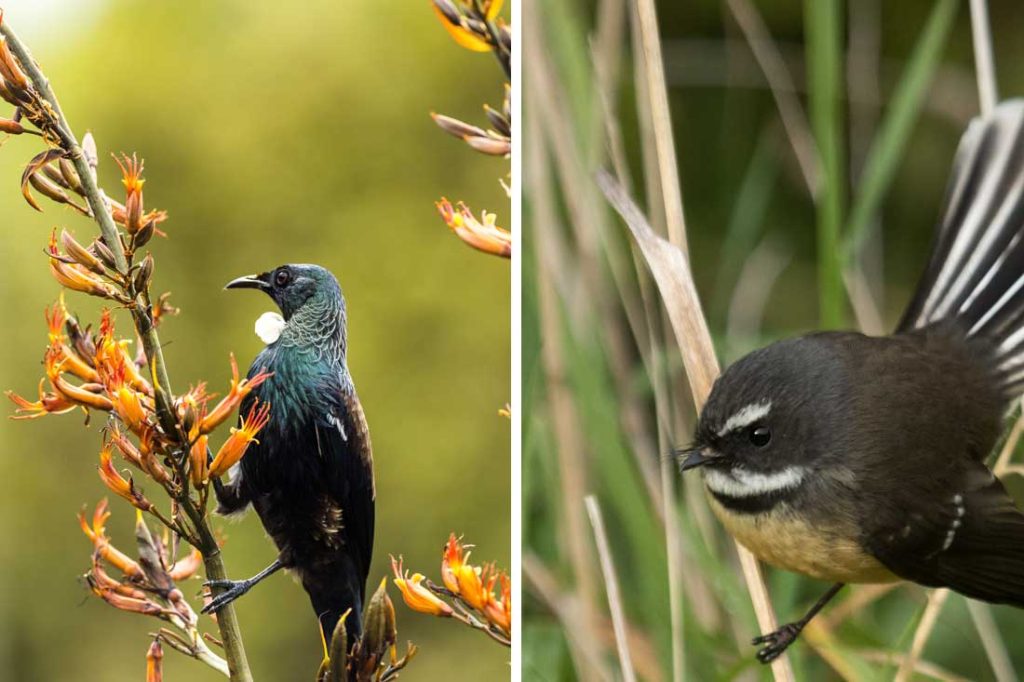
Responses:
[975,275]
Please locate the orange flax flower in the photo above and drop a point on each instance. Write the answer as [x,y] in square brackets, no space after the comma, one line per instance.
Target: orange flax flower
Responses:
[131,170]
[119,212]
[10,69]
[471,587]
[102,580]
[416,596]
[483,235]
[452,560]
[75,277]
[117,483]
[82,395]
[129,407]
[238,442]
[239,389]
[119,601]
[71,362]
[56,316]
[148,460]
[467,35]
[186,567]
[494,609]
[112,355]
[199,470]
[97,533]
[499,611]
[155,662]
[191,407]
[48,403]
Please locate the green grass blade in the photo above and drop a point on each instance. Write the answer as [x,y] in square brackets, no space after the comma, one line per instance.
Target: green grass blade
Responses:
[823,24]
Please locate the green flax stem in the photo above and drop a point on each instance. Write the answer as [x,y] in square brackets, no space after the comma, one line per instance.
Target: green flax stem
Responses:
[824,38]
[227,620]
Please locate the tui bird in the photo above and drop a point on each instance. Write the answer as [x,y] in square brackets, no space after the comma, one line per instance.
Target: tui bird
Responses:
[310,475]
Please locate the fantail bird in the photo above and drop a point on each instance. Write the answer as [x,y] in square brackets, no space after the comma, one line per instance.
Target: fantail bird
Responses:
[858,459]
[310,474]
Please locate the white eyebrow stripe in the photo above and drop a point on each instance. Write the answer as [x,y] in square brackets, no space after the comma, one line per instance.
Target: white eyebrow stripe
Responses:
[746,416]
[740,483]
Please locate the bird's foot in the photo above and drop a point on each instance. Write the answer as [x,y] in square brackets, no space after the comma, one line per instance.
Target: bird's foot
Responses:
[777,642]
[233,589]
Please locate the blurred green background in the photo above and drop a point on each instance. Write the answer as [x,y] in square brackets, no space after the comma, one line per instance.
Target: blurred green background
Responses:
[591,422]
[272,132]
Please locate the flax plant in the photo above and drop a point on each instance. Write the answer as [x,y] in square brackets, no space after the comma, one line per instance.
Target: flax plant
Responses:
[477,26]
[151,437]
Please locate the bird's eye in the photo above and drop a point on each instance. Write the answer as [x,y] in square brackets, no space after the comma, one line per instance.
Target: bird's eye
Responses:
[282,277]
[760,436]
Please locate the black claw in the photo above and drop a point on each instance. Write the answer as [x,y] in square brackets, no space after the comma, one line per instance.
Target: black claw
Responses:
[233,589]
[776,642]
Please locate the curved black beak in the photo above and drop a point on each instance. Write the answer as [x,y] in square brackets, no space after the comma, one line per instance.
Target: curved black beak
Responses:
[691,459]
[261,282]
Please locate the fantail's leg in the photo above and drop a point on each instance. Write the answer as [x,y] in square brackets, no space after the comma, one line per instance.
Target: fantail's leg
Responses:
[777,642]
[233,589]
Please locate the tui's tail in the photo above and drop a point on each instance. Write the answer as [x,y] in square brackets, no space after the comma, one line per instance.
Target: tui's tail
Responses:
[975,275]
[334,590]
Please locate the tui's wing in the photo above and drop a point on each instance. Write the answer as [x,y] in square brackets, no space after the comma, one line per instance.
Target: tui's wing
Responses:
[970,539]
[344,443]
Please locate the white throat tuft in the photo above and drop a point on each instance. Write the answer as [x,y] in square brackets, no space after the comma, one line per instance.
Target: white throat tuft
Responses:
[269,327]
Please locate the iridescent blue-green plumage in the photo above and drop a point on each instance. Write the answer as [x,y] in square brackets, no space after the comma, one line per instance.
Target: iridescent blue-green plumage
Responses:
[310,476]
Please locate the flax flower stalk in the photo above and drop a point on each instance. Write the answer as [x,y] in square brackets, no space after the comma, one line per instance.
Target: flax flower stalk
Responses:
[21,70]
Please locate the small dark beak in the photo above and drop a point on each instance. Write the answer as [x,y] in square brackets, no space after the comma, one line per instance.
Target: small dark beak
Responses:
[691,459]
[261,282]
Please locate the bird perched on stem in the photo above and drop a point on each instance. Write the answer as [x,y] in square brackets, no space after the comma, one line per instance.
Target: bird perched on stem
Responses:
[310,475]
[856,459]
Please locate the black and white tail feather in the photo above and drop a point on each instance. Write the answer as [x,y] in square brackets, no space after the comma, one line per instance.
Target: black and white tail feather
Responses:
[975,275]
[974,279]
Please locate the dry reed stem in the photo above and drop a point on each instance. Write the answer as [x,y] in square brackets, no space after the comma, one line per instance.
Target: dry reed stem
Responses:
[569,438]
[672,274]
[819,635]
[936,600]
[992,641]
[571,614]
[590,296]
[757,278]
[633,412]
[780,81]
[680,579]
[861,596]
[611,582]
[606,53]
[924,667]
[820,638]
[657,92]
[984,63]
[865,309]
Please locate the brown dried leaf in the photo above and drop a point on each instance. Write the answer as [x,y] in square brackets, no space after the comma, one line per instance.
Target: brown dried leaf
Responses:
[671,270]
